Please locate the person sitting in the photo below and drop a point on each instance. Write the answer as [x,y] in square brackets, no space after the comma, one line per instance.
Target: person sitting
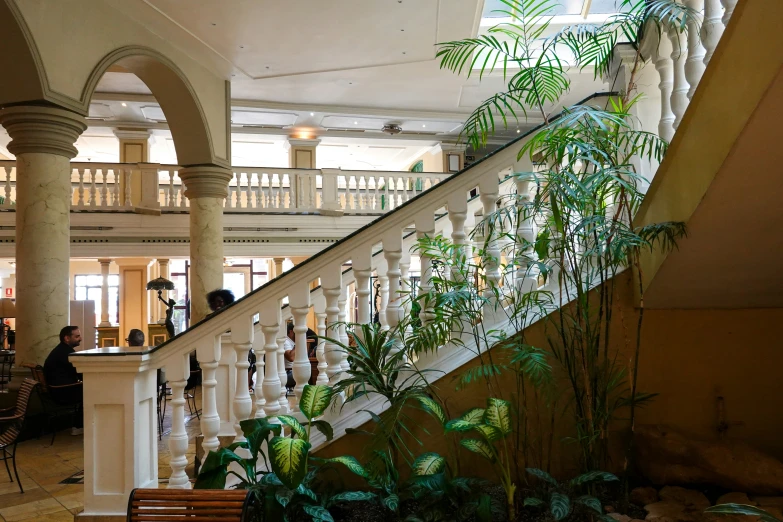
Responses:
[221,298]
[288,355]
[58,371]
[135,337]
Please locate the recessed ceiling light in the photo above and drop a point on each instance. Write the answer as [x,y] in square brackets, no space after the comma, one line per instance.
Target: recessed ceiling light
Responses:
[312,114]
[517,131]
[423,125]
[356,123]
[124,104]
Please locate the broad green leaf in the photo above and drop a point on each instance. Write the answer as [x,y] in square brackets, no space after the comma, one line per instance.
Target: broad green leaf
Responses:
[214,471]
[289,460]
[498,414]
[591,502]
[270,479]
[593,476]
[257,431]
[533,501]
[431,406]
[302,490]
[490,433]
[484,509]
[559,505]
[480,447]
[543,475]
[352,496]
[428,464]
[459,425]
[473,415]
[741,509]
[315,400]
[324,427]
[392,502]
[294,425]
[319,513]
[283,496]
[351,463]
[469,420]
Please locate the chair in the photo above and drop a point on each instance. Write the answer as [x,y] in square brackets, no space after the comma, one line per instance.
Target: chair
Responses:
[218,505]
[190,392]
[47,393]
[6,362]
[162,394]
[10,435]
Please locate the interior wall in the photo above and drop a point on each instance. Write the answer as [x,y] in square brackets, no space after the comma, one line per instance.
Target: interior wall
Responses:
[433,161]
[688,357]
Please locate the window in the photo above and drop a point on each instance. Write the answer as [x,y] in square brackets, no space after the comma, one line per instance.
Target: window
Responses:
[87,287]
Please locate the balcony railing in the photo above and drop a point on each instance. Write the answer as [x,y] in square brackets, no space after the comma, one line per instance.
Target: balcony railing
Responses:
[112,187]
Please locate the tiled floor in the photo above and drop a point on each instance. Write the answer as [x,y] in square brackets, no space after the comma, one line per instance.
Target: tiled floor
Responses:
[43,467]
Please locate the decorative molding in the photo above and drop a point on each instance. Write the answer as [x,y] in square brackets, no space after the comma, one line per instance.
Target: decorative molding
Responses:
[36,129]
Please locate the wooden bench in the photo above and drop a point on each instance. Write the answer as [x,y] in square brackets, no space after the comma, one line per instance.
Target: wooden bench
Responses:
[189,505]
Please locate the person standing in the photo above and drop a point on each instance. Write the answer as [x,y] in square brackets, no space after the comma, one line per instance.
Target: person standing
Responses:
[58,371]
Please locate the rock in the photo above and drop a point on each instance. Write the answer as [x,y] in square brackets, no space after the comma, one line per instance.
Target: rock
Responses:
[735,498]
[670,511]
[687,497]
[620,518]
[608,509]
[665,456]
[644,496]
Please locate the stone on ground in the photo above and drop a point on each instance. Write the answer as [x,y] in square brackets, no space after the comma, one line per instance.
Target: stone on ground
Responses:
[643,496]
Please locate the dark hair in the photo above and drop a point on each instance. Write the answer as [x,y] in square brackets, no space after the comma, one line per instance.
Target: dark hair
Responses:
[136,337]
[289,327]
[226,295]
[67,332]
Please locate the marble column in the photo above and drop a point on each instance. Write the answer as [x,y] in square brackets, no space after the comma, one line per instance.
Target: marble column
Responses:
[42,139]
[163,271]
[278,261]
[206,187]
[105,292]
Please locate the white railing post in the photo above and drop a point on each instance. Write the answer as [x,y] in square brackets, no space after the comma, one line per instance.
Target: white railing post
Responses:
[331,283]
[392,252]
[242,338]
[299,298]
[177,372]
[225,390]
[526,273]
[694,64]
[208,355]
[342,317]
[663,64]
[680,87]
[120,428]
[458,213]
[728,10]
[711,28]
[282,373]
[269,317]
[330,205]
[320,354]
[425,228]
[149,186]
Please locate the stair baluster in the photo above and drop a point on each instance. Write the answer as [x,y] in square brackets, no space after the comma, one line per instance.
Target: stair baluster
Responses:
[331,281]
[711,28]
[208,355]
[177,371]
[242,338]
[680,87]
[694,64]
[663,64]
[299,298]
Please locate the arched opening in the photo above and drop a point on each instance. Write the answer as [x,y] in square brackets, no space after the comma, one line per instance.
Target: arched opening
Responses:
[171,89]
[19,61]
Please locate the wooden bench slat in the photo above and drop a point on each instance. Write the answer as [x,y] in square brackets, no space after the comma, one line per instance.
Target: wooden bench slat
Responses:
[201,505]
[168,518]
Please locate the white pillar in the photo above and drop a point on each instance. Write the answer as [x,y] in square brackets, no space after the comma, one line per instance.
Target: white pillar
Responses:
[694,64]
[711,28]
[663,64]
[42,138]
[242,338]
[342,317]
[392,252]
[105,292]
[278,262]
[163,270]
[225,389]
[320,349]
[680,84]
[362,269]
[282,374]
[205,187]
[208,354]
[177,373]
[120,429]
[728,10]
[331,283]
[299,298]
[269,317]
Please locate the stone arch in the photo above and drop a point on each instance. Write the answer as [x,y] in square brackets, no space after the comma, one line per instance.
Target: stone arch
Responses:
[20,60]
[174,93]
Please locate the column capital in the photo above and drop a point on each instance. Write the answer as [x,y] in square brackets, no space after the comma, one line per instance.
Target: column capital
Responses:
[163,262]
[47,130]
[105,261]
[206,181]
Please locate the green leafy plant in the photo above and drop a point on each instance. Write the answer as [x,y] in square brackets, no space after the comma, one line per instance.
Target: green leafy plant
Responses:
[442,497]
[741,509]
[284,483]
[494,424]
[561,498]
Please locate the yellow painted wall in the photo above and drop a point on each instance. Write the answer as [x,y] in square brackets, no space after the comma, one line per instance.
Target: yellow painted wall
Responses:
[688,357]
[432,162]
